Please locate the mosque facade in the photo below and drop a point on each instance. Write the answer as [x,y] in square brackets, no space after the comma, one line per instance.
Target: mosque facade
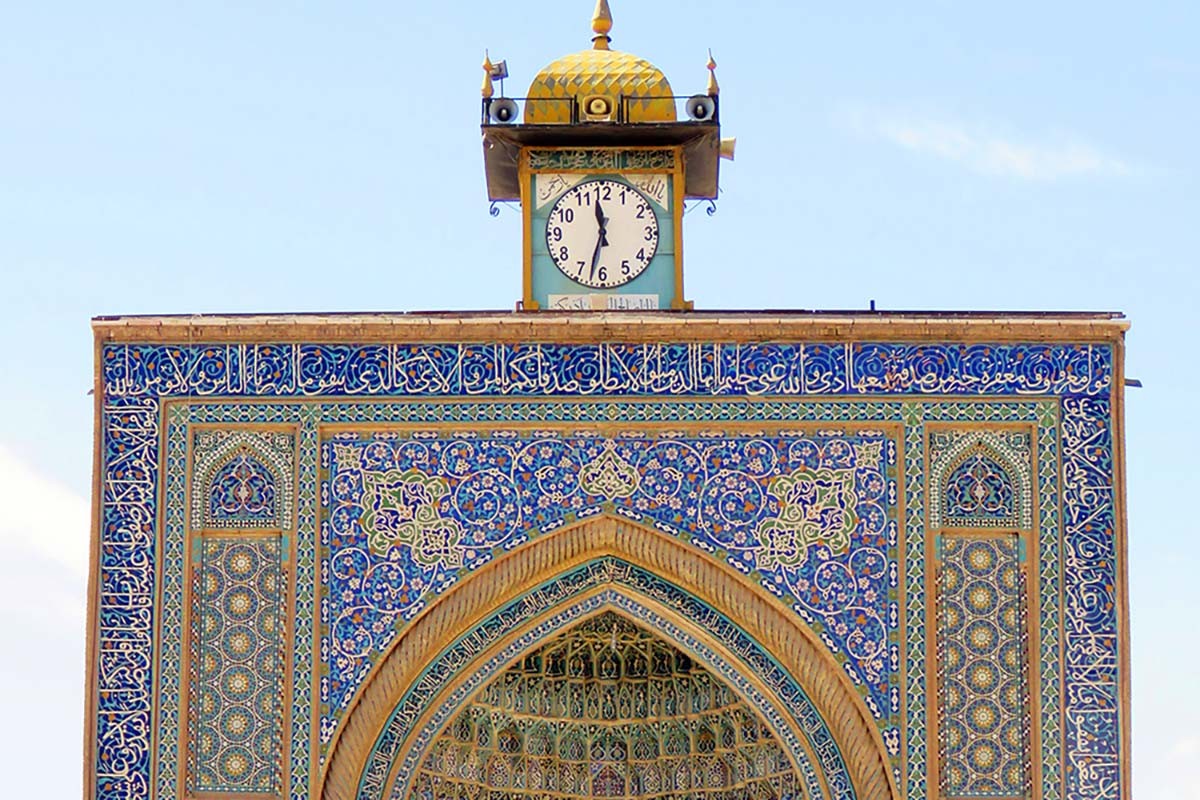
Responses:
[608,545]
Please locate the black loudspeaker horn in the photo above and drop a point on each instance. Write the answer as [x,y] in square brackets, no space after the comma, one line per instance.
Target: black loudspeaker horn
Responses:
[503,110]
[701,107]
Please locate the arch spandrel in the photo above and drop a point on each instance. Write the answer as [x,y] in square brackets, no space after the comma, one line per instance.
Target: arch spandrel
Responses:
[813,512]
[779,633]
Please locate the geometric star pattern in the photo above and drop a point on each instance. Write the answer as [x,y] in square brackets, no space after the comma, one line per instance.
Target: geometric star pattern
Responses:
[236,686]
[984,713]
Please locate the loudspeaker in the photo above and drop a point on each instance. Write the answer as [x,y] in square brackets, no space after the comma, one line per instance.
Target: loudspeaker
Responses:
[503,110]
[596,108]
[701,107]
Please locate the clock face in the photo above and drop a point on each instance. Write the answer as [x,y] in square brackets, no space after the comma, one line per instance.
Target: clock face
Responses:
[602,233]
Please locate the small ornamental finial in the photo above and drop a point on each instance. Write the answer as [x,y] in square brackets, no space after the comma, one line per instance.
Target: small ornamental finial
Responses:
[601,25]
[487,76]
[713,88]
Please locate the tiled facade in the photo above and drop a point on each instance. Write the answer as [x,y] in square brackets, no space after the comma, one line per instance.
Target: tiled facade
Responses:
[276,516]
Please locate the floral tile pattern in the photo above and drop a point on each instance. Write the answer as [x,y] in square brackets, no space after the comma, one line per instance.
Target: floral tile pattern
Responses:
[983,692]
[811,515]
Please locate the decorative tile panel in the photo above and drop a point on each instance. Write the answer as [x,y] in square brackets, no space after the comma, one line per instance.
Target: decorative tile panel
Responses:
[609,370]
[242,479]
[236,703]
[983,693]
[124,665]
[557,159]
[811,515]
[1092,677]
[980,478]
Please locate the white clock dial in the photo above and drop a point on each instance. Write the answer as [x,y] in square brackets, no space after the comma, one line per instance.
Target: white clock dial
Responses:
[602,233]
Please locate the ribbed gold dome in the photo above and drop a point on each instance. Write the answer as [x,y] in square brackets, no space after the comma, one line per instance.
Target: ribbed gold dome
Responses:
[604,73]
[600,72]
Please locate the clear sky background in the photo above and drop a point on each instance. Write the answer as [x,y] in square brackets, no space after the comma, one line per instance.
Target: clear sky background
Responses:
[156,158]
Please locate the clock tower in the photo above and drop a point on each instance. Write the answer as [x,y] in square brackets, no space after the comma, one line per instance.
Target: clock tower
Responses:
[601,155]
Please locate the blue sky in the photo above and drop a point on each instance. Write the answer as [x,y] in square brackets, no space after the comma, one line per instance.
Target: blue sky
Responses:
[219,157]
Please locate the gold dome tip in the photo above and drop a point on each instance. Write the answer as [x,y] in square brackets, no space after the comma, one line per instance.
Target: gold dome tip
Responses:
[713,87]
[487,89]
[601,25]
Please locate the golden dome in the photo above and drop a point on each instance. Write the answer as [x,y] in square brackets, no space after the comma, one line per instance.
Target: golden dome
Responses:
[600,72]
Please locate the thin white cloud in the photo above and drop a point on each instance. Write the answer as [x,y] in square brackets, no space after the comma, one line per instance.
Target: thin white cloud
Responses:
[1173,775]
[42,517]
[1188,748]
[985,150]
[44,535]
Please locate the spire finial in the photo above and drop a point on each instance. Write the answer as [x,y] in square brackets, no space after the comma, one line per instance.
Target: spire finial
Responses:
[601,25]
[487,76]
[713,88]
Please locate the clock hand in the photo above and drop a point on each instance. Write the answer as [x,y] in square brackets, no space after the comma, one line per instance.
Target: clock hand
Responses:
[596,256]
[601,239]
[601,220]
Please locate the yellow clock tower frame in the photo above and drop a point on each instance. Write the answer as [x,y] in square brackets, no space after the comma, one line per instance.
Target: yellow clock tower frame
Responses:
[601,126]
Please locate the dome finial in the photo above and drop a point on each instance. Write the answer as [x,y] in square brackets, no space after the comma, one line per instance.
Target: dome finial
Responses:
[713,87]
[601,25]
[488,91]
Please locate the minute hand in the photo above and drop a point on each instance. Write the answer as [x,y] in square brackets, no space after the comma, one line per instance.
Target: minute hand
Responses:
[601,240]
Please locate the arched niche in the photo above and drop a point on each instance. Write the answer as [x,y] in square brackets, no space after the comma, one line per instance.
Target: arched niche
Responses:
[980,478]
[252,466]
[467,611]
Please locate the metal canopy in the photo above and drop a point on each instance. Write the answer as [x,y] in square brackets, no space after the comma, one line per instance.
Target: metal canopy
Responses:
[701,142]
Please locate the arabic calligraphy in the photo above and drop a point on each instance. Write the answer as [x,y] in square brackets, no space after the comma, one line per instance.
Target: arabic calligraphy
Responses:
[609,369]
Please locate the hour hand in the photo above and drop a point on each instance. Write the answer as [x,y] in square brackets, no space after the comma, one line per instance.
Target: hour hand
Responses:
[602,222]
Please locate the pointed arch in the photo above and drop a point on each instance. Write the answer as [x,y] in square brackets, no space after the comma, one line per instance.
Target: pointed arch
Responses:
[783,639]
